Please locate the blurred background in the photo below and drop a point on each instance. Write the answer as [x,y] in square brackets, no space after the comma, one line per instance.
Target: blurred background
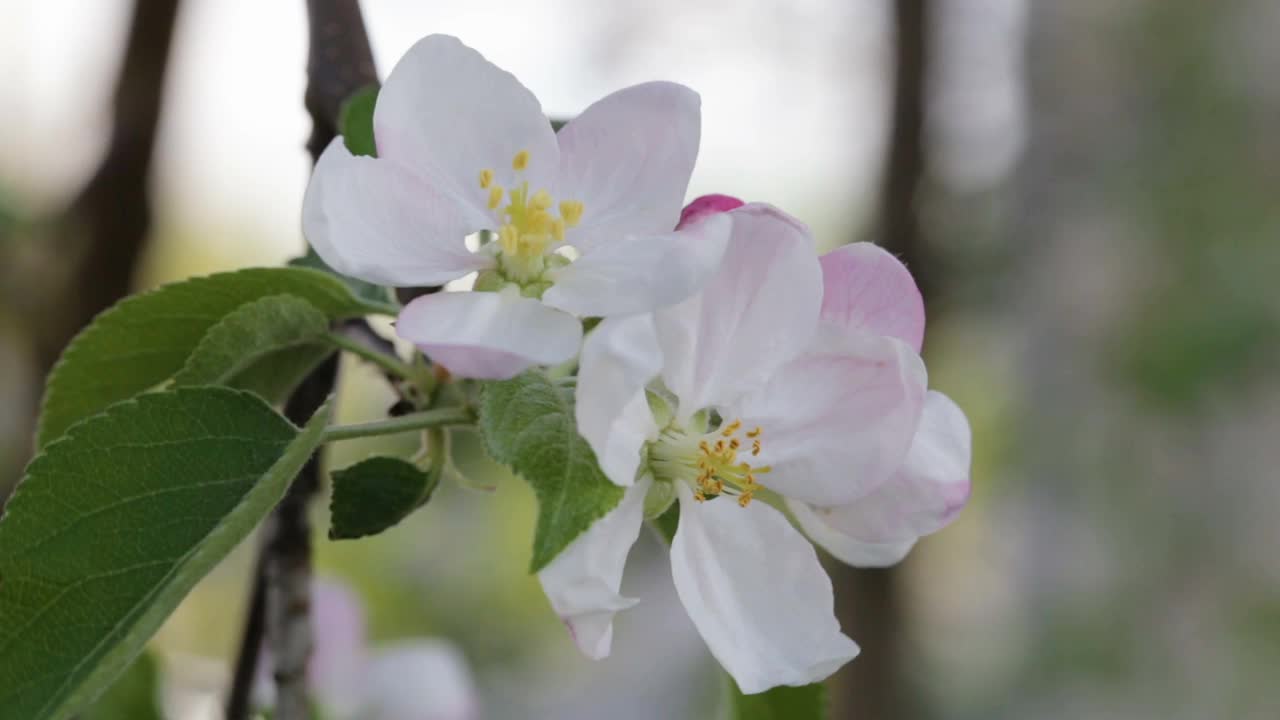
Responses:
[1088,192]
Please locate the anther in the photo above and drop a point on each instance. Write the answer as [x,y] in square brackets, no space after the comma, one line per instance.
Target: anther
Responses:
[755,447]
[571,211]
[541,200]
[754,433]
[731,428]
[495,197]
[486,179]
[520,161]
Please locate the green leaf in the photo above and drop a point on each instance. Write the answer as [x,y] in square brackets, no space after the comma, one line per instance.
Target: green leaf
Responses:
[781,703]
[527,422]
[274,376]
[355,121]
[361,288]
[114,523]
[249,333]
[146,339]
[375,494]
[135,696]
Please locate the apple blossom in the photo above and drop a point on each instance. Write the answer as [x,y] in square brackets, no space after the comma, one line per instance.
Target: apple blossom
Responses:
[463,147]
[413,679]
[416,679]
[750,388]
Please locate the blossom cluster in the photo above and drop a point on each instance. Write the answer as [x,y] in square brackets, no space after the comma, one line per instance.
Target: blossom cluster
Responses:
[776,396]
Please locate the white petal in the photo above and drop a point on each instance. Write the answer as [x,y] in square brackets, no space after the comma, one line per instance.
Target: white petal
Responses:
[619,358]
[447,111]
[640,273]
[867,289]
[922,497]
[754,314]
[845,548]
[583,581]
[754,589]
[628,158]
[338,650]
[419,680]
[838,420]
[375,220]
[487,335]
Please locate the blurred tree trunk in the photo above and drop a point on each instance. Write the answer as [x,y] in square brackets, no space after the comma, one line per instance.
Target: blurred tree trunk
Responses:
[88,260]
[869,602]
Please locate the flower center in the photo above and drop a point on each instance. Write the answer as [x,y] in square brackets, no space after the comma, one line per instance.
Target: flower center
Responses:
[713,463]
[528,230]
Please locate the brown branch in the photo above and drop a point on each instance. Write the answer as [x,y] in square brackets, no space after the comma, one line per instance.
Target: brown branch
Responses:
[339,63]
[105,228]
[81,261]
[247,656]
[870,603]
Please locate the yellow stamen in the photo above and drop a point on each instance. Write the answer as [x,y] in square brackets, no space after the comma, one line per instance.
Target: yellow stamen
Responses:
[755,433]
[571,211]
[541,200]
[557,229]
[495,197]
[520,161]
[731,428]
[755,447]
[486,179]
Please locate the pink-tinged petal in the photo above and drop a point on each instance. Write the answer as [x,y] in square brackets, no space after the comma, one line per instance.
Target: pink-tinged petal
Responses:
[867,289]
[838,420]
[491,336]
[754,314]
[844,548]
[374,220]
[446,111]
[619,358]
[628,158]
[706,206]
[338,650]
[640,273]
[922,497]
[754,589]
[583,581]
[419,679]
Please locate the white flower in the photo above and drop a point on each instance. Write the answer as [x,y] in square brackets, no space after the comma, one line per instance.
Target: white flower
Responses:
[763,384]
[464,147]
[417,679]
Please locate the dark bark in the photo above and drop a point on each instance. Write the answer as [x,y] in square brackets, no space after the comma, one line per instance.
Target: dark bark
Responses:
[105,228]
[339,63]
[870,603]
[88,261]
[255,626]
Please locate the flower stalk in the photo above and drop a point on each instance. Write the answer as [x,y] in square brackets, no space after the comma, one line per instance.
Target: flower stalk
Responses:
[427,419]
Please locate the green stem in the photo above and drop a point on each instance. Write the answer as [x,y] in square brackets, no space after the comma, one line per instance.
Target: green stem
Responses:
[389,363]
[373,307]
[405,423]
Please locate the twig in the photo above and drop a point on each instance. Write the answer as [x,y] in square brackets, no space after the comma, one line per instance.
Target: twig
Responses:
[246,668]
[339,63]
